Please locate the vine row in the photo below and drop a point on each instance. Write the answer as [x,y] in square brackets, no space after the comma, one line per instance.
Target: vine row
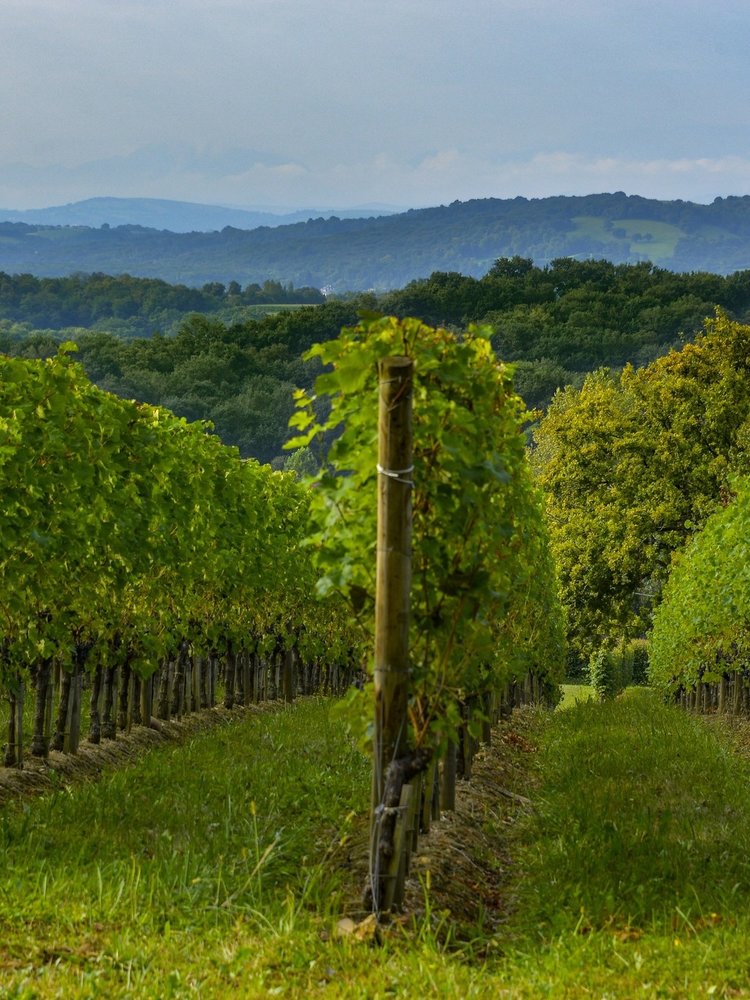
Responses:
[132,541]
[700,644]
[485,624]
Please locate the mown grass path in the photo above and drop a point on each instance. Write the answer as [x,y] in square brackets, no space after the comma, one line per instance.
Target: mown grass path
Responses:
[636,861]
[216,868]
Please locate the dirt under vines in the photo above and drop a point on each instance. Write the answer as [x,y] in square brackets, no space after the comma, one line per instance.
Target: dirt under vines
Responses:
[462,872]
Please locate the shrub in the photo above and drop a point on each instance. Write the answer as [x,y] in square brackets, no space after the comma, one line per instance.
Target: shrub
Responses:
[611,670]
[576,667]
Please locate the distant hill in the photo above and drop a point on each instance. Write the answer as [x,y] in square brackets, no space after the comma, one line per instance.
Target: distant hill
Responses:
[163,213]
[389,251]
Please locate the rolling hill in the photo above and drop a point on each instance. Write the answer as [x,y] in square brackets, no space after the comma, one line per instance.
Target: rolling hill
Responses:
[388,251]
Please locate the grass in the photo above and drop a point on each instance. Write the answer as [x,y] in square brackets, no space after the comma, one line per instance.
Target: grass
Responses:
[636,861]
[216,868]
[165,869]
[573,693]
[656,240]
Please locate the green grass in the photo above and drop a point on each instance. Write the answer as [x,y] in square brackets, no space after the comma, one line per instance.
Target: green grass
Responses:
[216,868]
[636,862]
[656,240]
[660,241]
[161,872]
[573,693]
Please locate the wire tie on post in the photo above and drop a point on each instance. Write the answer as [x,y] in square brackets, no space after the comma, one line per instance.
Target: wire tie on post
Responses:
[396,474]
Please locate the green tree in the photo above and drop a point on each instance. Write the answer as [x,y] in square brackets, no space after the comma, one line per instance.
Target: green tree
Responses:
[632,466]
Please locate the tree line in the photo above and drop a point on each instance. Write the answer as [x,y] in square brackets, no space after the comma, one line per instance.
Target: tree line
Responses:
[634,465]
[133,307]
[555,323]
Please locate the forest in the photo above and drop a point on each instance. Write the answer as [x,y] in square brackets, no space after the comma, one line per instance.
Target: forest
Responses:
[387,252]
[136,307]
[555,323]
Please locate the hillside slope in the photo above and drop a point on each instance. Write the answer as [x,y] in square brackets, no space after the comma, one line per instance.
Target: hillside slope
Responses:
[388,251]
[163,213]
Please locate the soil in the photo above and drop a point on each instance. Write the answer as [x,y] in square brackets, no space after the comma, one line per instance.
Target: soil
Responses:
[462,874]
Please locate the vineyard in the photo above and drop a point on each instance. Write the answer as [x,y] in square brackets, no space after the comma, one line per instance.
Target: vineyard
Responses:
[148,567]
[429,575]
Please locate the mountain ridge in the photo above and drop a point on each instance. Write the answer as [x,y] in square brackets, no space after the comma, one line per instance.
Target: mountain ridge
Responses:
[388,251]
[172,215]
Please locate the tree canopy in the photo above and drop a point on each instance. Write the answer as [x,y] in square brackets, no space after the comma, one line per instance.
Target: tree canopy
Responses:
[632,465]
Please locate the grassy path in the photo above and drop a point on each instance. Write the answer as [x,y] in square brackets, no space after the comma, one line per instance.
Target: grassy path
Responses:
[216,868]
[183,871]
[636,862]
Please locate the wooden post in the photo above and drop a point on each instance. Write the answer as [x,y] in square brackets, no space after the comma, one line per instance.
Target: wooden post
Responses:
[450,766]
[40,739]
[396,874]
[506,703]
[721,708]
[247,679]
[436,794]
[261,679]
[130,701]
[188,686]
[428,795]
[49,707]
[14,754]
[164,701]
[393,585]
[147,695]
[73,716]
[61,723]
[528,693]
[110,691]
[178,687]
[95,727]
[414,819]
[20,694]
[488,710]
[393,569]
[737,692]
[230,667]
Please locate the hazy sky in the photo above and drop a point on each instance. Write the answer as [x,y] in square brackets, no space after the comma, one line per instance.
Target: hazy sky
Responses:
[302,103]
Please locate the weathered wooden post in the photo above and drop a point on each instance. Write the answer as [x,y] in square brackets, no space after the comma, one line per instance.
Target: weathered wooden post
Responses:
[72,734]
[288,675]
[14,752]
[450,767]
[42,709]
[393,584]
[147,699]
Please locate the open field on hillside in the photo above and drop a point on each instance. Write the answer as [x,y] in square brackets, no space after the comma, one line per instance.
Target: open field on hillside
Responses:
[655,240]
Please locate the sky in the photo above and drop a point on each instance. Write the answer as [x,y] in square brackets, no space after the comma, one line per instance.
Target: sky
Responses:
[346,103]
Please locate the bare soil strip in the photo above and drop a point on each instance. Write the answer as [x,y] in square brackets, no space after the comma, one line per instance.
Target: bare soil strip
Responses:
[462,873]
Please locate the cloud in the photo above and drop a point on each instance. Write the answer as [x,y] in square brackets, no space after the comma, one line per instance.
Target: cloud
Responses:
[685,177]
[256,178]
